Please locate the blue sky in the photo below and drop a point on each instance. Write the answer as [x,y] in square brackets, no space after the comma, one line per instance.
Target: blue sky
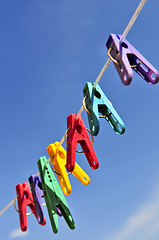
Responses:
[49,50]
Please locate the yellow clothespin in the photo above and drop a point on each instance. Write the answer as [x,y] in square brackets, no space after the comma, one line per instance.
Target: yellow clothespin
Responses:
[58,156]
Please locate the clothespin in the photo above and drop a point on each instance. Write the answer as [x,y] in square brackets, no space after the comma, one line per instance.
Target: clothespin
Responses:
[96,102]
[126,57]
[77,133]
[53,196]
[58,158]
[37,192]
[24,197]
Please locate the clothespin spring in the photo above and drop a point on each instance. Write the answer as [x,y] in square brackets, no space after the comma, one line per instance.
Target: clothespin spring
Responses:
[17,209]
[87,131]
[84,106]
[116,62]
[52,167]
[44,204]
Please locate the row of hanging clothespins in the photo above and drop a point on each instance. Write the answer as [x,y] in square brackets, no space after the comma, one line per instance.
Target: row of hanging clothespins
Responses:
[125,58]
[62,163]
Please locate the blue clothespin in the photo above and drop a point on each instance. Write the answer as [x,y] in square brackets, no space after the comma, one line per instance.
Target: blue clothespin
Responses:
[96,102]
[53,196]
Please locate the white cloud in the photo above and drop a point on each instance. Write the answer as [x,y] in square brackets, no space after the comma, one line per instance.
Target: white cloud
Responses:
[18,233]
[143,224]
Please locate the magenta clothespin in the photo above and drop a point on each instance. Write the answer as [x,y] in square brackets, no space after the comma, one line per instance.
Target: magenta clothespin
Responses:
[36,189]
[126,58]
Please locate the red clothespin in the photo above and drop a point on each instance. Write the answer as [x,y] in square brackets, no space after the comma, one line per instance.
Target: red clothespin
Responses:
[24,200]
[77,133]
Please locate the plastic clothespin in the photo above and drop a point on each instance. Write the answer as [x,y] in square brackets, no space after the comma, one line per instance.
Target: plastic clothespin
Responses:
[127,57]
[96,102]
[53,196]
[77,133]
[58,158]
[37,192]
[24,200]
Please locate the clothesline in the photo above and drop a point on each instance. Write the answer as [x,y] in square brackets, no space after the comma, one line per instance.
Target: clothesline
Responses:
[127,29]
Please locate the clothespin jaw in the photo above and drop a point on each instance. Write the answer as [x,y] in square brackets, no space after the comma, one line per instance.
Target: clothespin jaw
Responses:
[127,57]
[53,196]
[37,192]
[58,156]
[22,190]
[81,175]
[96,101]
[77,133]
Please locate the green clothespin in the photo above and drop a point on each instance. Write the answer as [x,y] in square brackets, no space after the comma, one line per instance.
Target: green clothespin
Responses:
[53,196]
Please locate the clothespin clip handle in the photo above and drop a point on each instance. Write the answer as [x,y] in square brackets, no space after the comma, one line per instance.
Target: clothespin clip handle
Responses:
[53,196]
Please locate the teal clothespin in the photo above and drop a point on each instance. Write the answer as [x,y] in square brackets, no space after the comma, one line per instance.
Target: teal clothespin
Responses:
[96,102]
[53,196]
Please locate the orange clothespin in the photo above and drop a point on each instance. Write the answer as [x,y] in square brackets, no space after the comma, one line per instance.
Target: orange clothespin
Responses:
[58,156]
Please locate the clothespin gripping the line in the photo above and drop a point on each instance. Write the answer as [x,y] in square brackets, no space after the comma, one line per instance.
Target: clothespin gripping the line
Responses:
[22,190]
[126,57]
[53,196]
[37,193]
[78,134]
[59,159]
[127,29]
[97,102]
[58,156]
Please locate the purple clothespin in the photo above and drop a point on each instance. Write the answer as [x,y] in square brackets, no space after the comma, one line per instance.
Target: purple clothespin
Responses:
[126,57]
[36,188]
